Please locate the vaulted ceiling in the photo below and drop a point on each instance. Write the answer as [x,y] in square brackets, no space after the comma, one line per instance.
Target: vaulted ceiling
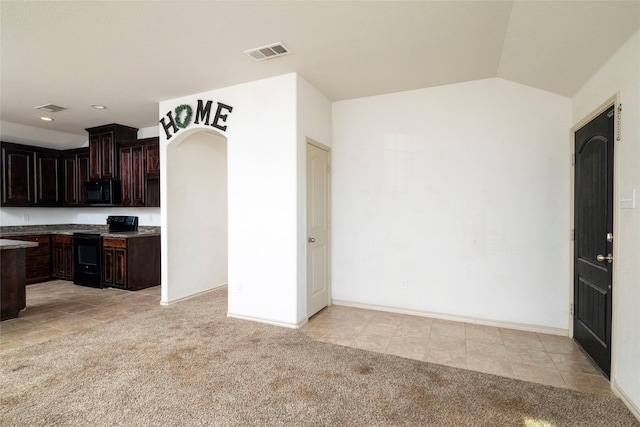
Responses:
[129,55]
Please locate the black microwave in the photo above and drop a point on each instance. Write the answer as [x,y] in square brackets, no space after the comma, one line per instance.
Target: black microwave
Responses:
[103,193]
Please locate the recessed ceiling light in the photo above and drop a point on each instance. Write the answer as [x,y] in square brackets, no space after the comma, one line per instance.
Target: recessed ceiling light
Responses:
[46,119]
[99,107]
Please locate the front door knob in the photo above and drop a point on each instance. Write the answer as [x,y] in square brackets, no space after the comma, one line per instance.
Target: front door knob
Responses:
[608,258]
[311,239]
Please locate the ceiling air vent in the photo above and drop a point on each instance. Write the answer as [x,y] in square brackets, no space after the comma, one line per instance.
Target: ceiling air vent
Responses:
[267,52]
[50,108]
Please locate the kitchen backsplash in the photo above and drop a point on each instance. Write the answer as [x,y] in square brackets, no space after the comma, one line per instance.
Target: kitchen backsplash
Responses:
[48,216]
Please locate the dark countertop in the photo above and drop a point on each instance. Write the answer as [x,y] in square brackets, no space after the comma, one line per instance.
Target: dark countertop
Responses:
[6,244]
[69,229]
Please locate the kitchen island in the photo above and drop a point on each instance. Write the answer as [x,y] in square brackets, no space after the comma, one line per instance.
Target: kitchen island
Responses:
[13,277]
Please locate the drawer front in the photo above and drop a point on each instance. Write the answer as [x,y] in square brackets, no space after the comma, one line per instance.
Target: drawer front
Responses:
[43,248]
[39,261]
[63,238]
[40,238]
[114,242]
[42,272]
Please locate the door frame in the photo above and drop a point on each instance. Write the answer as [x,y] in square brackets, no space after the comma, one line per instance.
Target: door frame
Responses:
[309,141]
[612,101]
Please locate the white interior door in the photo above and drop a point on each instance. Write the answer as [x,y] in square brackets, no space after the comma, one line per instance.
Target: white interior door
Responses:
[318,221]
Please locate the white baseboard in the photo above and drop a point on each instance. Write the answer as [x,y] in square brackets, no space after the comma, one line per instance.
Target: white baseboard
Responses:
[166,303]
[268,321]
[457,318]
[633,407]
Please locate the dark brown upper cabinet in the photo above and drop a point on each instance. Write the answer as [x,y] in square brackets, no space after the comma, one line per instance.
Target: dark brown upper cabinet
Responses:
[31,176]
[132,174]
[34,176]
[152,156]
[140,172]
[75,165]
[103,149]
[17,175]
[47,179]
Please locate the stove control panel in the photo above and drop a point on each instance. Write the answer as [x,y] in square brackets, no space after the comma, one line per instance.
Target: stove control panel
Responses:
[122,223]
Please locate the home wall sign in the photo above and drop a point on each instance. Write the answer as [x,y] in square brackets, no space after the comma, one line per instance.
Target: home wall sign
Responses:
[184,115]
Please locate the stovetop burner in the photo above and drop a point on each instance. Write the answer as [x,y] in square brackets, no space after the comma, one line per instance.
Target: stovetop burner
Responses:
[122,223]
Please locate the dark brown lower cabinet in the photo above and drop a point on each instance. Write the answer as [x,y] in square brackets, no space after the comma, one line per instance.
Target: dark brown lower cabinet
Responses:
[131,263]
[114,262]
[38,259]
[63,256]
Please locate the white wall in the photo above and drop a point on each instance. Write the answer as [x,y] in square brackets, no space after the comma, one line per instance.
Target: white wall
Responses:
[262,174]
[35,216]
[197,214]
[313,121]
[461,194]
[621,75]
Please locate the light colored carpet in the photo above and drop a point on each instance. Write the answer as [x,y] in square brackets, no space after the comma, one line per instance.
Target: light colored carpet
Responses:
[190,365]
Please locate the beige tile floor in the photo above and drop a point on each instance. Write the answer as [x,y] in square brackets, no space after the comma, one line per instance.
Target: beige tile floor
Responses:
[541,358]
[57,308]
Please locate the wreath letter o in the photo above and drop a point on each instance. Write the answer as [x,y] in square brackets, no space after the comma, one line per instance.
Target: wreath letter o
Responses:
[187,118]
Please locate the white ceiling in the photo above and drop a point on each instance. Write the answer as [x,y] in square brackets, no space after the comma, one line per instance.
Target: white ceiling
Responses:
[129,55]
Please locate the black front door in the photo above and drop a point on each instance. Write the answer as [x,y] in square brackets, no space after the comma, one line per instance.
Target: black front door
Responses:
[593,252]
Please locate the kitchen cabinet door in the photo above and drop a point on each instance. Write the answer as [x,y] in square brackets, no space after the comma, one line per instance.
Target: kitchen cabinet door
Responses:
[58,265]
[47,179]
[63,257]
[17,176]
[67,261]
[132,175]
[120,268]
[83,168]
[95,157]
[152,156]
[107,266]
[69,183]
[108,165]
[114,262]
[152,172]
[75,172]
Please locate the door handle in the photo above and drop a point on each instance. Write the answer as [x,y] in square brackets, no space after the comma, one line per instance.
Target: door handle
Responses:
[608,258]
[311,239]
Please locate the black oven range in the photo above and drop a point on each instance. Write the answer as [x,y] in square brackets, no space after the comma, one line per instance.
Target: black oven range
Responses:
[87,259]
[87,249]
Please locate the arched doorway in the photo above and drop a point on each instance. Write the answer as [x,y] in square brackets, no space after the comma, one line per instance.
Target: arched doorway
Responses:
[196,247]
